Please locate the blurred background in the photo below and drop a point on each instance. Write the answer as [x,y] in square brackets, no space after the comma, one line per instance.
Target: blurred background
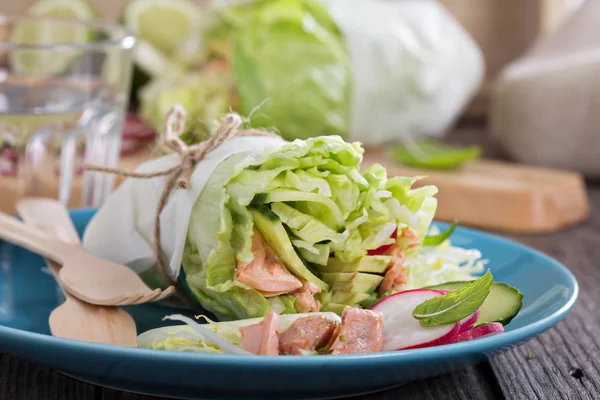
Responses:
[504,29]
[429,87]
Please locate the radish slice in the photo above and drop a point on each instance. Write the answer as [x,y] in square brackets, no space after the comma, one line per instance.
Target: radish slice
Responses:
[492,328]
[467,323]
[402,331]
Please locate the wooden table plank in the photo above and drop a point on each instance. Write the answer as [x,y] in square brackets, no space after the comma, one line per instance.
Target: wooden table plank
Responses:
[467,384]
[21,380]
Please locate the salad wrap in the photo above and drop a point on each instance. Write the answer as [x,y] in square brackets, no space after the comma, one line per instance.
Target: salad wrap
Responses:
[292,227]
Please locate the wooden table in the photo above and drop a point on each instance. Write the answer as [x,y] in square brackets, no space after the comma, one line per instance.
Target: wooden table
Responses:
[562,363]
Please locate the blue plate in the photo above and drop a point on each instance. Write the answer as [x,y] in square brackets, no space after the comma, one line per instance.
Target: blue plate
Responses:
[549,289]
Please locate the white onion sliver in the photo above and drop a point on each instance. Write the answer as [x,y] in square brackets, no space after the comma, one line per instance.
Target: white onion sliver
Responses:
[210,336]
[383,194]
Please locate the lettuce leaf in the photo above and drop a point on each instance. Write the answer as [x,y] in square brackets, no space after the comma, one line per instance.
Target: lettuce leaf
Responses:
[304,55]
[283,304]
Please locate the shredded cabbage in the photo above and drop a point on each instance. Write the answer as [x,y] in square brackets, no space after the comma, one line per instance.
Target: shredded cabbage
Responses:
[443,263]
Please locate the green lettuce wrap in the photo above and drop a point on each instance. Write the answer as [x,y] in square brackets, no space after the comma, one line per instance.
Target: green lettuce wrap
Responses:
[334,229]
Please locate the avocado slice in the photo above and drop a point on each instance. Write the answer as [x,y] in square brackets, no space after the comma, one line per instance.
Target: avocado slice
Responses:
[375,264]
[501,305]
[335,216]
[353,282]
[349,298]
[324,298]
[355,287]
[335,307]
[270,226]
[351,277]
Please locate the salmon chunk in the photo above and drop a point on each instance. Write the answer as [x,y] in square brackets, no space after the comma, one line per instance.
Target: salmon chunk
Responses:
[262,338]
[395,276]
[305,298]
[361,331]
[266,272]
[307,333]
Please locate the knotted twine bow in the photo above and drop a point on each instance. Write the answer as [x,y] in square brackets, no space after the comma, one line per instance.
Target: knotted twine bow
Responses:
[179,176]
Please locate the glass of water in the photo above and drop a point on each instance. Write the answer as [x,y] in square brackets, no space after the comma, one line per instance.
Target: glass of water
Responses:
[64,88]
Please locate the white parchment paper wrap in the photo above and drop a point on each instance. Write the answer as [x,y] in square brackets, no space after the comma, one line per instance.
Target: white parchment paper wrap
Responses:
[122,229]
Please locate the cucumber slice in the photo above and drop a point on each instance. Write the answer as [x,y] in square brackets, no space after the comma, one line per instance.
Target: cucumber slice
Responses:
[349,298]
[270,226]
[169,33]
[502,304]
[374,264]
[34,32]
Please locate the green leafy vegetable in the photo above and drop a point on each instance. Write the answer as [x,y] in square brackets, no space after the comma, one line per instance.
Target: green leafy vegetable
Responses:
[454,306]
[283,304]
[304,56]
[430,154]
[205,95]
[438,239]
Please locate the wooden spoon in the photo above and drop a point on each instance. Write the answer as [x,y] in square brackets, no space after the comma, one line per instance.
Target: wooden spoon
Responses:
[75,319]
[89,278]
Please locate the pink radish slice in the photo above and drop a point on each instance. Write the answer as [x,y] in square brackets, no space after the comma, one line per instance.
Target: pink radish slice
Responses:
[467,323]
[403,331]
[493,328]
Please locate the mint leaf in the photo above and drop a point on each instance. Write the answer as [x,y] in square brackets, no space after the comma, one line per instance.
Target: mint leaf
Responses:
[430,154]
[454,306]
[438,239]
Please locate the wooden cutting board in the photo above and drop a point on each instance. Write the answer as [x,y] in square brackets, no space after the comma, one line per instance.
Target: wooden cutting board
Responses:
[500,195]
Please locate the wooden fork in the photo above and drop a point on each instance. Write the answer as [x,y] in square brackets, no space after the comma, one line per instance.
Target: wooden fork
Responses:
[87,277]
[75,319]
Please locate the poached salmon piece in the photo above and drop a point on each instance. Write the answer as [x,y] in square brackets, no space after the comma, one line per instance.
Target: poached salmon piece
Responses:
[305,298]
[361,331]
[395,276]
[307,333]
[266,273]
[262,338]
[413,239]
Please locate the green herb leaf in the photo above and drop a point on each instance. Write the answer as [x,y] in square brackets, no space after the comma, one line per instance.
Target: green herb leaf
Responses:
[454,306]
[430,154]
[438,239]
